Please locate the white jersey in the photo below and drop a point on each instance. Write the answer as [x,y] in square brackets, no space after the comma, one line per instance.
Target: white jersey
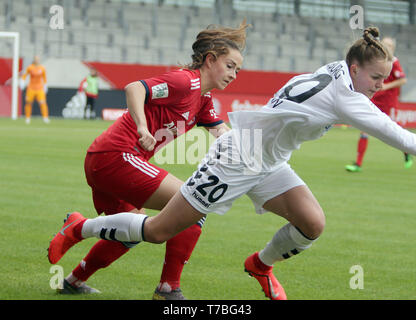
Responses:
[304,109]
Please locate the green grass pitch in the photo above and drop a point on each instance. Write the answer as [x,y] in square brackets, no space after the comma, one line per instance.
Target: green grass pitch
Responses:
[370,223]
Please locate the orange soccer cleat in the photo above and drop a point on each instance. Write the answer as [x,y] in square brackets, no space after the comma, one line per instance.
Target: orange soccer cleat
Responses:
[66,237]
[271,287]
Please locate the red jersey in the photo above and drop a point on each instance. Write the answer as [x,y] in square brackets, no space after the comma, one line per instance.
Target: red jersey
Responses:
[387,99]
[173,106]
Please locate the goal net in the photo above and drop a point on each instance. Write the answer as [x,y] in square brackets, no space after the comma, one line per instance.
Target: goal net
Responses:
[10,106]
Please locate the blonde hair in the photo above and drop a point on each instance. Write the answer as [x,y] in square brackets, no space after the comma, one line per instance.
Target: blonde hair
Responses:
[217,40]
[368,48]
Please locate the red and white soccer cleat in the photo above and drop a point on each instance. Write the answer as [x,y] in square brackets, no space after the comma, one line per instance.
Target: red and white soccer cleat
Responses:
[271,287]
[65,238]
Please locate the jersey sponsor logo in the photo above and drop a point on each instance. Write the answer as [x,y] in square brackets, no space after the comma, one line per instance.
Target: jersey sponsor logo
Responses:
[204,203]
[171,127]
[160,91]
[195,84]
[186,115]
[213,113]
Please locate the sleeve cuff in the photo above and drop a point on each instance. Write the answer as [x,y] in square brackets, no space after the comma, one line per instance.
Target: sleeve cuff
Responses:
[147,90]
[209,125]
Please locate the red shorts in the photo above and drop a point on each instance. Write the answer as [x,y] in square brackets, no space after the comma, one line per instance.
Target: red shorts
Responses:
[121,181]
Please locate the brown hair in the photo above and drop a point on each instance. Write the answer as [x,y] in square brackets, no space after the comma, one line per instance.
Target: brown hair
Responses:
[217,40]
[368,48]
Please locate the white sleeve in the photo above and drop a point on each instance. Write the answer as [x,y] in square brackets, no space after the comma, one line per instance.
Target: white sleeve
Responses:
[357,110]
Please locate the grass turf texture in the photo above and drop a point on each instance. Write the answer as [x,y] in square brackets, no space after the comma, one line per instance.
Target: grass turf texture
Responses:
[370,222]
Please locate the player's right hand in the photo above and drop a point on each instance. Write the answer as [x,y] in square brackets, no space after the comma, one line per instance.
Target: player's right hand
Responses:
[146,140]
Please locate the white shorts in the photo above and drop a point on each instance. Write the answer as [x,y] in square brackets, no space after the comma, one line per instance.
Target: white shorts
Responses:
[216,183]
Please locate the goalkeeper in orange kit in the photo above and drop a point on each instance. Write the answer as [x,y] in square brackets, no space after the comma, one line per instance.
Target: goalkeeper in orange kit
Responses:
[36,89]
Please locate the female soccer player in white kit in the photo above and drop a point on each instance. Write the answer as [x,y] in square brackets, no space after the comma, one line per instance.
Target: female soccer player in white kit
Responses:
[237,164]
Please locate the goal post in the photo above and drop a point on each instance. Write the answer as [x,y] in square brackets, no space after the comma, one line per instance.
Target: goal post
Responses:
[15,71]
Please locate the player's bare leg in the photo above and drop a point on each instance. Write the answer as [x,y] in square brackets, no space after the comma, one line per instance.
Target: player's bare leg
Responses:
[178,249]
[177,215]
[105,252]
[306,223]
[126,226]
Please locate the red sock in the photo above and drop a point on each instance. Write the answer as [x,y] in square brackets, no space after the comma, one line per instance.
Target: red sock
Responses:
[178,252]
[78,230]
[101,255]
[362,147]
[259,264]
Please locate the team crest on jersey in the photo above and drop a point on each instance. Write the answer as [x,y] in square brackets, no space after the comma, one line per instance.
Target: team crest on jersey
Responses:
[160,91]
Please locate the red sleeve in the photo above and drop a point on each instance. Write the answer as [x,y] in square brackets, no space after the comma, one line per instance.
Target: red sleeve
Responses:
[397,70]
[167,88]
[207,116]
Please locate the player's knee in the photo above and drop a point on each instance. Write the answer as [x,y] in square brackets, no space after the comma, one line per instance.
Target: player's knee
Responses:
[316,229]
[318,226]
[157,238]
[155,235]
[315,225]
[158,232]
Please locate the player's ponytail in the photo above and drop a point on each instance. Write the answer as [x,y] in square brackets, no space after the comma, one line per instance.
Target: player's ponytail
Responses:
[368,48]
[217,40]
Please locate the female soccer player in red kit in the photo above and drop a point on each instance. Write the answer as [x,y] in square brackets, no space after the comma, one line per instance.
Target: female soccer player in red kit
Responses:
[304,109]
[385,99]
[117,167]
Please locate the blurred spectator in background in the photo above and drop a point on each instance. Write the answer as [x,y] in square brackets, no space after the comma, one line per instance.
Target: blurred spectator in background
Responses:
[89,85]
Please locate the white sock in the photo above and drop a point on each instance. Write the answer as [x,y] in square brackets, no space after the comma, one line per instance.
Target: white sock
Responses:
[74,281]
[125,226]
[287,242]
